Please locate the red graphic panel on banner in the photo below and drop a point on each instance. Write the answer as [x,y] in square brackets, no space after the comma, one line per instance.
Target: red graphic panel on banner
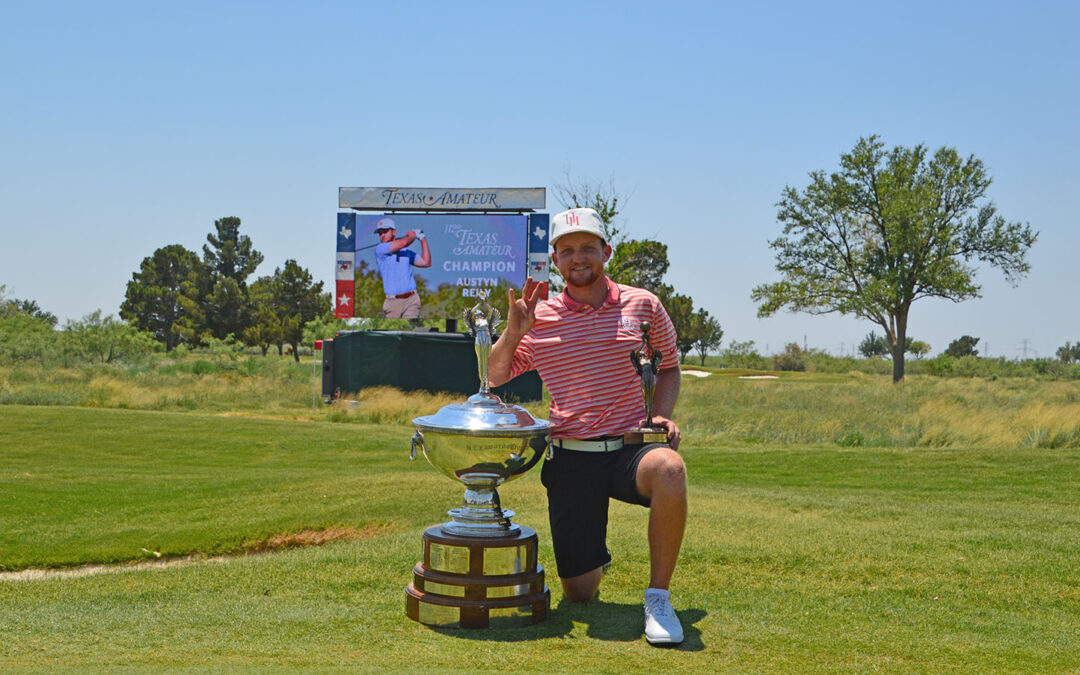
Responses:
[345,299]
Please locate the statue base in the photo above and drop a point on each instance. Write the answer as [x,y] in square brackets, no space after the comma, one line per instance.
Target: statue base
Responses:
[478,582]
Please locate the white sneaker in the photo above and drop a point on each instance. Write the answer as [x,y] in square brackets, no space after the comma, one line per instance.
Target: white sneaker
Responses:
[662,625]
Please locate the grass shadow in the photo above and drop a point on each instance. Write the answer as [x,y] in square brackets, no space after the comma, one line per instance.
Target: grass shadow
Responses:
[625,622]
[557,624]
[609,621]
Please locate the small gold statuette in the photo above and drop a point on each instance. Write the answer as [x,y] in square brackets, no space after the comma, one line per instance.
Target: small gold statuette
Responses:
[646,362]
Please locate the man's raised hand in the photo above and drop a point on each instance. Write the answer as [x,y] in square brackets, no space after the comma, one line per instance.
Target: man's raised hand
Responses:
[522,311]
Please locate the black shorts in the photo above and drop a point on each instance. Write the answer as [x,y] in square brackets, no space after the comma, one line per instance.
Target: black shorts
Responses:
[579,485]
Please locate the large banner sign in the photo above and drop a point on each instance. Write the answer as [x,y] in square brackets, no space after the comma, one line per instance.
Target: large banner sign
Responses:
[442,199]
[418,265]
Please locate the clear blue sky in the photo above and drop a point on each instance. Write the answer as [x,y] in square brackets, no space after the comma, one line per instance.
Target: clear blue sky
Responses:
[129,126]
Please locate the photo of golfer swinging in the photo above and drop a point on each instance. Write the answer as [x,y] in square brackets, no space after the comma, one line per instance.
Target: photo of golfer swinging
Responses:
[395,261]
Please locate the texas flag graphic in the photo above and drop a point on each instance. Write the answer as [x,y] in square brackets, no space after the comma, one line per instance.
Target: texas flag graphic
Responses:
[346,232]
[344,299]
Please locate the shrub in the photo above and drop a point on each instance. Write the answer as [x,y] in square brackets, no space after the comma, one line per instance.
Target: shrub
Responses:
[97,339]
[963,346]
[793,358]
[24,337]
[743,355]
[940,365]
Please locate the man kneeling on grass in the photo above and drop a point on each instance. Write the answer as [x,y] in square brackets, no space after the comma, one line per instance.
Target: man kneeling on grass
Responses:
[580,343]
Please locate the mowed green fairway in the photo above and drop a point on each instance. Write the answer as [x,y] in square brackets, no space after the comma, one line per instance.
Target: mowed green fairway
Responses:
[796,557]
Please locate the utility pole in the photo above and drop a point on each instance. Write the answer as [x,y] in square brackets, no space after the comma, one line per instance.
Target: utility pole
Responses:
[1024,348]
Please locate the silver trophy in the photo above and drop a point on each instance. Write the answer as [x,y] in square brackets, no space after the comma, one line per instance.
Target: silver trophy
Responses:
[479,569]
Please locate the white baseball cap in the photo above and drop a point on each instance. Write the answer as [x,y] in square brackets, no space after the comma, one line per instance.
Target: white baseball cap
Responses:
[576,220]
[385,224]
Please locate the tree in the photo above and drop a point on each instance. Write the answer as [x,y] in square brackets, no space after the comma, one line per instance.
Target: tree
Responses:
[215,300]
[230,258]
[918,348]
[282,304]
[27,307]
[887,229]
[297,299]
[641,263]
[680,309]
[709,334]
[575,193]
[963,346]
[264,328]
[192,324]
[152,299]
[1069,352]
[874,345]
[14,306]
[230,255]
[226,309]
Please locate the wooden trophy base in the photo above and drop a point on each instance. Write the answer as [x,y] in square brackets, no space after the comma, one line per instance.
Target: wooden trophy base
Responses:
[645,435]
[478,582]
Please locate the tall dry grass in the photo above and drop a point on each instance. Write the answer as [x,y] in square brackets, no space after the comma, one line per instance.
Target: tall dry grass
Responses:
[852,409]
[386,405]
[860,410]
[255,384]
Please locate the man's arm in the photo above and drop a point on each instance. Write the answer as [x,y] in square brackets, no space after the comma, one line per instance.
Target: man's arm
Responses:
[521,317]
[501,358]
[425,253]
[402,242]
[666,393]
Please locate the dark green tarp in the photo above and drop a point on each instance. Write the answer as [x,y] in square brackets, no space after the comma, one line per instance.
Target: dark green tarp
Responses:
[409,361]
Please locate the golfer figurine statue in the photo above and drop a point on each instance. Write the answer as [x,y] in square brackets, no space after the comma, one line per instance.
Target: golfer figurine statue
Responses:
[481,321]
[646,362]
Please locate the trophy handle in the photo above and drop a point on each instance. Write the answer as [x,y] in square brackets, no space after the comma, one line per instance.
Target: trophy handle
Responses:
[417,441]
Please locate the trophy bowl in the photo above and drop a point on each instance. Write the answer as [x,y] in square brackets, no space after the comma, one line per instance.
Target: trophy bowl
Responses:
[482,443]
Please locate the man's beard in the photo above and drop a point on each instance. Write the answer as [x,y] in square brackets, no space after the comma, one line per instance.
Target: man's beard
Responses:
[592,278]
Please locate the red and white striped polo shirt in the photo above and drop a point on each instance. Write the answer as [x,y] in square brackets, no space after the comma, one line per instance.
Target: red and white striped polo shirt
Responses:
[583,356]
